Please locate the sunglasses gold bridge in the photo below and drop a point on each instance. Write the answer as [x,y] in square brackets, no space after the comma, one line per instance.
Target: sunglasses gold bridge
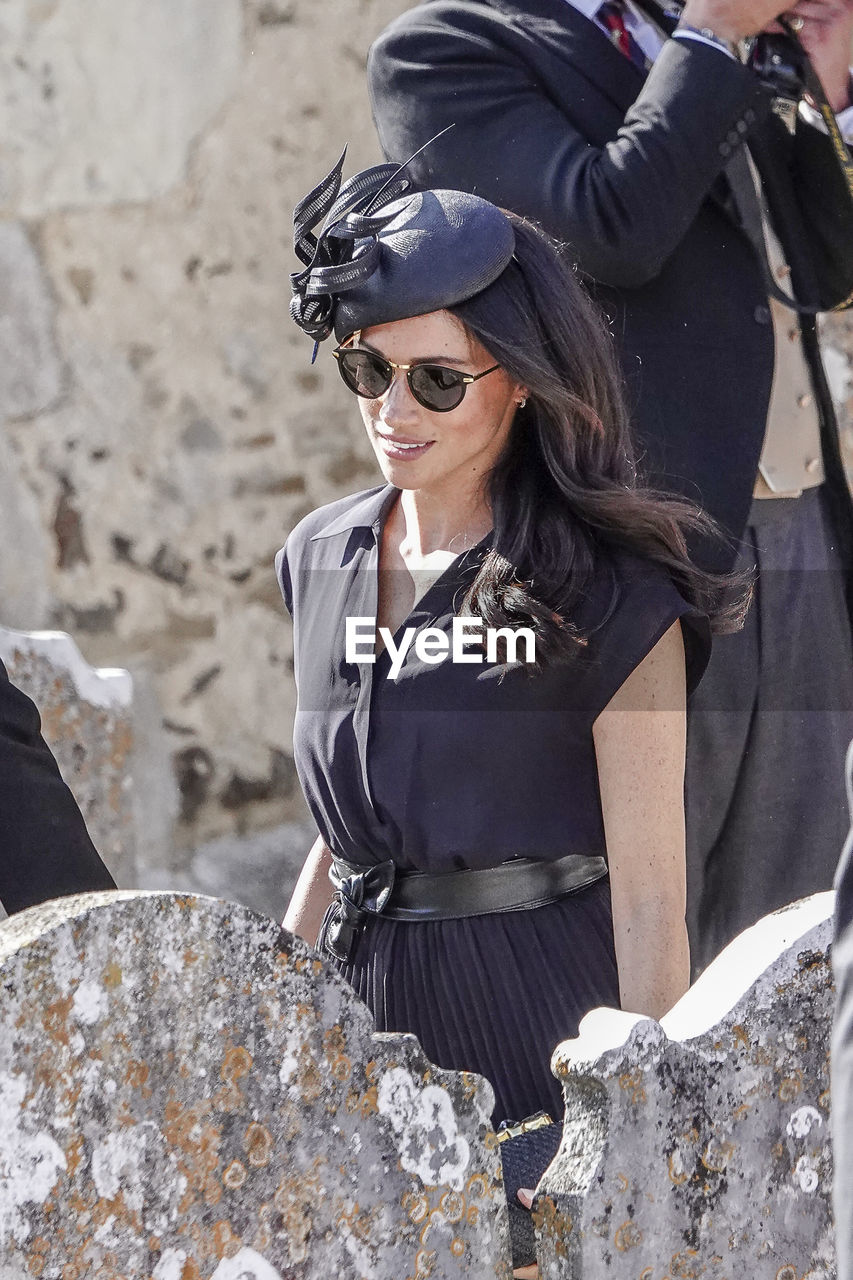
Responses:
[429,364]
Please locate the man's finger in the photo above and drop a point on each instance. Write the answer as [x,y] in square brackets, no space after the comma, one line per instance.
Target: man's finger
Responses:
[822,11]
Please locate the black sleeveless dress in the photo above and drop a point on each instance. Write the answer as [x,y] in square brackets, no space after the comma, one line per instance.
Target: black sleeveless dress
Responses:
[453,766]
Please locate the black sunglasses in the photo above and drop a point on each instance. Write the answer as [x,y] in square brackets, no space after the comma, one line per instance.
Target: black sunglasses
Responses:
[436,387]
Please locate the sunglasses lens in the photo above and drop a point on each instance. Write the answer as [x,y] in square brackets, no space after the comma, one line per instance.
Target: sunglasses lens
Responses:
[433,385]
[436,387]
[364,373]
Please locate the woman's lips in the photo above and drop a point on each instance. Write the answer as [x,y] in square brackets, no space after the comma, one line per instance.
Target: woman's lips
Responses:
[398,447]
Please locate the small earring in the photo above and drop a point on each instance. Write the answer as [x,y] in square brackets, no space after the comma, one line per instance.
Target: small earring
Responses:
[522,402]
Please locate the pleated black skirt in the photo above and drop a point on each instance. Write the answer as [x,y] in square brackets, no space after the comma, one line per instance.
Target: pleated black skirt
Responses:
[493,994]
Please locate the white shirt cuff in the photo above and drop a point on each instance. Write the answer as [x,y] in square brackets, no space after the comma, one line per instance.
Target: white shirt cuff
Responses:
[700,39]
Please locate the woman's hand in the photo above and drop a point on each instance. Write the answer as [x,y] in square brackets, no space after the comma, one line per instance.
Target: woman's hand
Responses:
[640,742]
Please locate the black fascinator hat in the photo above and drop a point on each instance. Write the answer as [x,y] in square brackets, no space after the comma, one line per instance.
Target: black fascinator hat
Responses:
[386,252]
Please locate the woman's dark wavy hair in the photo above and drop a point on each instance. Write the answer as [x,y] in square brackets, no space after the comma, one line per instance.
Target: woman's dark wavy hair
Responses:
[567,491]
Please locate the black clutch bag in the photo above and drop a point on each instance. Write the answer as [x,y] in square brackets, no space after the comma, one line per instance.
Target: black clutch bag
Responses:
[526,1151]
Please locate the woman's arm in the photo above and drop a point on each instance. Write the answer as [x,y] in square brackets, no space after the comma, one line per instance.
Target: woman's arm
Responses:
[312,894]
[640,740]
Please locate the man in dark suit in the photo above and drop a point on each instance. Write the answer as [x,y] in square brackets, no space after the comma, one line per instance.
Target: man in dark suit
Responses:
[45,850]
[629,146]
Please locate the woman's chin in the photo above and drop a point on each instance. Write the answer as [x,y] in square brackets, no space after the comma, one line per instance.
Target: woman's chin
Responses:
[402,474]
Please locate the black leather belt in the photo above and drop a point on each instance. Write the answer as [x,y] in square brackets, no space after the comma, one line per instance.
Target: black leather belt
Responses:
[518,885]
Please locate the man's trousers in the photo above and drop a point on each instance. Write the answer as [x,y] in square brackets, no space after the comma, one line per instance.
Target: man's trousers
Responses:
[768,730]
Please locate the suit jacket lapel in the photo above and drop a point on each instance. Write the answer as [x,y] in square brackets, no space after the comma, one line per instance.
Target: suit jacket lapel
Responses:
[770,148]
[576,39]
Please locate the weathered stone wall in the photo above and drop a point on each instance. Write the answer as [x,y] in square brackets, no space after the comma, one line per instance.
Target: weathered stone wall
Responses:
[162,426]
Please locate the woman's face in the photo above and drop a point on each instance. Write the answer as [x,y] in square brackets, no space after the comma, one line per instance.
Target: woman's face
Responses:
[459,446]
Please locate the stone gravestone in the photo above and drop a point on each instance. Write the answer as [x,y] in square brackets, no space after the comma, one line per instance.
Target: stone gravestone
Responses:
[188,1093]
[86,719]
[700,1146]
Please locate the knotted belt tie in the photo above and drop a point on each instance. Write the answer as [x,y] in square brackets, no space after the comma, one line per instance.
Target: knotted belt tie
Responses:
[359,892]
[382,889]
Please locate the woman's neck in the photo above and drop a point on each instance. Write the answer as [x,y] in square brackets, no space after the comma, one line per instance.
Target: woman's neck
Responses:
[426,523]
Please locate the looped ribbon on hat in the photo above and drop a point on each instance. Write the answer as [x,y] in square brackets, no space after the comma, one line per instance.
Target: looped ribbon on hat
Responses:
[346,251]
[358,895]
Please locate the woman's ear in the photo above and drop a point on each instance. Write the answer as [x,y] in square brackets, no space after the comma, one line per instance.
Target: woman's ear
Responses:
[521,396]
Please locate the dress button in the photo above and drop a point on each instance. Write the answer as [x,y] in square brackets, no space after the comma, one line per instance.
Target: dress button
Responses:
[742,127]
[725,150]
[749,115]
[761,314]
[733,137]
[812,465]
[805,400]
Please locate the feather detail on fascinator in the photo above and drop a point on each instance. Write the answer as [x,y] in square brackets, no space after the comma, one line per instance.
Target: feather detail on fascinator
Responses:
[346,252]
[386,252]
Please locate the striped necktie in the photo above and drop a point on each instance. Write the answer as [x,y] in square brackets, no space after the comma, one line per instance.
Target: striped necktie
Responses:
[612,16]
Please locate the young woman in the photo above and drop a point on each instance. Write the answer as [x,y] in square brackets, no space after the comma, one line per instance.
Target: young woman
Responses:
[501,840]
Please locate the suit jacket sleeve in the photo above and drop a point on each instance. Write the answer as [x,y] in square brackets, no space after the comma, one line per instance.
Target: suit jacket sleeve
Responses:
[623,205]
[45,850]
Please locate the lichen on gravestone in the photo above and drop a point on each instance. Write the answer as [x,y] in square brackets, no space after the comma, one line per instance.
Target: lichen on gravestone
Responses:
[188,1093]
[700,1146]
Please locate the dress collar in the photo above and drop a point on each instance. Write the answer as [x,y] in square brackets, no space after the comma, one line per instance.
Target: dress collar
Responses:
[367,512]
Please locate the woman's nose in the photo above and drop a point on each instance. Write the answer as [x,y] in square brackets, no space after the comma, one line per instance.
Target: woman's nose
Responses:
[398,404]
